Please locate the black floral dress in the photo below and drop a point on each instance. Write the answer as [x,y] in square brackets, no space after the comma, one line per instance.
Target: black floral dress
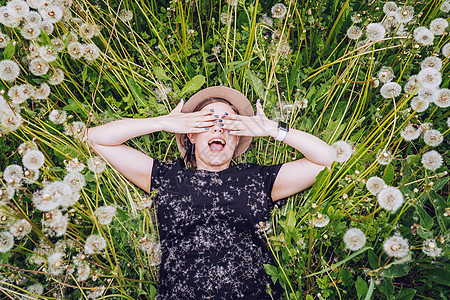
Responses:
[212,243]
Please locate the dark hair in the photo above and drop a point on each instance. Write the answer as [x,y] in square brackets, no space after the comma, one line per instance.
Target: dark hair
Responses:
[190,148]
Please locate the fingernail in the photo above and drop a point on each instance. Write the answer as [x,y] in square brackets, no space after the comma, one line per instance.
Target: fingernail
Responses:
[259,100]
[214,122]
[181,99]
[207,128]
[220,120]
[226,114]
[228,131]
[211,110]
[221,125]
[216,116]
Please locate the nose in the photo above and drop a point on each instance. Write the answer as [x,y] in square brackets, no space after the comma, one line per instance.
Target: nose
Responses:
[217,128]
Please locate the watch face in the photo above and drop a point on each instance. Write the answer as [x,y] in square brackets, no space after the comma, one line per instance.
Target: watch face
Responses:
[283,125]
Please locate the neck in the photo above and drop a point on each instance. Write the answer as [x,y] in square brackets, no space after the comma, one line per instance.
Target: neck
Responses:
[212,168]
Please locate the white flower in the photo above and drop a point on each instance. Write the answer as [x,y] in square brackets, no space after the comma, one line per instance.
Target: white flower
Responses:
[36,289]
[55,223]
[412,84]
[87,31]
[36,4]
[390,90]
[42,92]
[390,198]
[445,6]
[446,50]
[265,19]
[433,138]
[375,32]
[96,292]
[4,40]
[19,93]
[426,126]
[6,241]
[432,62]
[74,165]
[126,15]
[443,98]
[410,132]
[396,246]
[341,151]
[389,8]
[57,116]
[430,248]
[77,130]
[375,184]
[75,50]
[51,13]
[428,94]
[7,193]
[302,103]
[13,174]
[30,31]
[404,14]
[438,26]
[30,176]
[48,53]
[38,66]
[390,22]
[18,8]
[354,32]
[83,272]
[386,74]
[432,160]
[94,244]
[53,195]
[429,77]
[27,146]
[33,17]
[10,119]
[57,77]
[354,239]
[419,104]
[96,164]
[56,264]
[105,214]
[9,70]
[279,10]
[47,27]
[320,220]
[91,52]
[33,159]
[57,44]
[75,180]
[356,18]
[20,229]
[224,18]
[7,19]
[423,36]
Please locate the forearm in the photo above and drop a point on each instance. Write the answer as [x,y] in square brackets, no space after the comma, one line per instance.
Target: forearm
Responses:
[313,148]
[117,132]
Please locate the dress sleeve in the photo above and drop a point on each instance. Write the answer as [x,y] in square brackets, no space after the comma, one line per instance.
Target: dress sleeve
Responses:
[269,174]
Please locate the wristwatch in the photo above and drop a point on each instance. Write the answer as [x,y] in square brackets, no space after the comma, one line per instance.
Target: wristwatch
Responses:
[283,129]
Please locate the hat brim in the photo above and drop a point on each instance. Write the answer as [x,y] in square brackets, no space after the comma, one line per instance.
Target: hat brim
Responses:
[239,101]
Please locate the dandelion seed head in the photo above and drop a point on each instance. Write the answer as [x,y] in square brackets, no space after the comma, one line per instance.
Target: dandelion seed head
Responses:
[52,196]
[396,246]
[411,132]
[75,180]
[13,173]
[390,90]
[96,292]
[404,14]
[341,151]
[265,19]
[438,26]
[428,94]
[390,198]
[77,130]
[30,31]
[87,31]
[356,18]
[9,70]
[36,4]
[38,66]
[56,264]
[419,104]
[42,92]
[26,146]
[375,184]
[429,77]
[430,248]
[11,119]
[412,84]
[30,176]
[386,74]
[390,22]
[57,116]
[354,239]
[20,228]
[51,13]
[279,10]
[375,32]
[96,164]
[33,18]
[4,40]
[126,15]
[94,244]
[18,8]
[8,19]
[74,165]
[431,62]
[46,26]
[55,224]
[91,52]
[33,159]
[433,138]
[423,36]
[105,214]
[442,98]
[389,8]
[17,97]
[75,50]
[320,220]
[354,32]
[57,77]
[6,241]
[58,44]
[445,6]
[83,272]
[36,289]
[224,18]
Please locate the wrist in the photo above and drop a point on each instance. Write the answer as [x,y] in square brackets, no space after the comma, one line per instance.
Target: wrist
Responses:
[273,129]
[159,122]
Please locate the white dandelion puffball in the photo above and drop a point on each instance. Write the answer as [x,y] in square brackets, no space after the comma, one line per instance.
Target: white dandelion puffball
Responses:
[18,8]
[423,36]
[224,18]
[57,77]
[91,52]
[4,40]
[410,132]
[42,92]
[75,50]
[6,241]
[354,239]
[94,244]
[386,74]
[87,31]
[58,44]
[20,229]
[48,53]
[429,77]
[96,292]
[30,176]
[279,10]
[445,6]
[265,19]
[51,13]
[55,223]
[83,272]
[412,84]
[428,94]
[56,264]
[7,193]
[105,214]
[354,32]
[384,157]
[432,160]
[404,14]
[431,62]
[38,66]
[13,174]
[438,26]
[446,50]
[30,31]
[426,126]
[9,70]
[390,90]
[419,104]
[10,119]
[341,151]
[356,18]
[375,184]
[430,248]
[26,146]
[33,17]
[33,159]
[52,196]
[390,198]
[57,116]
[433,138]
[15,95]
[396,246]
[96,164]
[375,32]
[320,220]
[36,289]
[74,165]
[7,19]
[75,180]
[389,8]
[443,98]
[77,130]
[126,15]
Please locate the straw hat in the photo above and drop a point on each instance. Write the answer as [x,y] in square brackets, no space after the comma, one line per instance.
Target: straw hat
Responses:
[239,101]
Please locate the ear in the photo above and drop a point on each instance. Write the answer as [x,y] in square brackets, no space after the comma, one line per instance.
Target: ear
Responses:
[238,137]
[191,137]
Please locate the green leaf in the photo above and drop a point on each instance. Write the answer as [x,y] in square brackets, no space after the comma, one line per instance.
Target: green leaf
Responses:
[361,287]
[238,64]
[9,51]
[439,206]
[255,83]
[396,270]
[272,271]
[373,259]
[405,294]
[137,92]
[387,288]
[65,150]
[425,219]
[370,291]
[389,174]
[423,233]
[441,276]
[160,73]
[84,75]
[193,85]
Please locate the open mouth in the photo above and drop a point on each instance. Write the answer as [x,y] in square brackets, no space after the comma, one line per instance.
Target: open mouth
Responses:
[216,145]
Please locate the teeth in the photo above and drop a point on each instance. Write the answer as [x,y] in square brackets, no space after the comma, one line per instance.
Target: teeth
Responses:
[216,140]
